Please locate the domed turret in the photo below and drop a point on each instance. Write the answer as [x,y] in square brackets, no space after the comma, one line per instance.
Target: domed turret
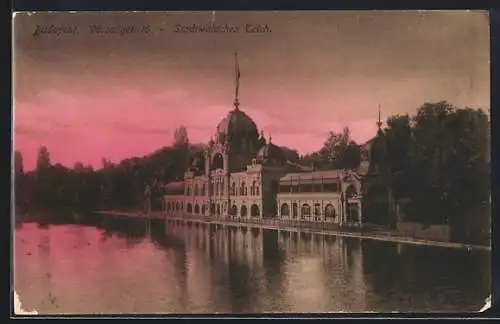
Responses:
[378,149]
[271,154]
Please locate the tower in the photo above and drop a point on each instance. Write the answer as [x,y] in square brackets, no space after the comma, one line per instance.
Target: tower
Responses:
[237,137]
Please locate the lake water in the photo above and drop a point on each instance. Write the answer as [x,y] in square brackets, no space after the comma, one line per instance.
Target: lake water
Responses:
[115,267]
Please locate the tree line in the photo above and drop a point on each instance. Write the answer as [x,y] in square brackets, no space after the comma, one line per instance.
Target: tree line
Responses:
[437,160]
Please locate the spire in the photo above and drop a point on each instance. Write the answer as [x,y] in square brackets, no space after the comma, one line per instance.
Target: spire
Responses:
[237,74]
[379,122]
[270,138]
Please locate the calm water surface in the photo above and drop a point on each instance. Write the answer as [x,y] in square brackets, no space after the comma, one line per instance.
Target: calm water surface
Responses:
[121,267]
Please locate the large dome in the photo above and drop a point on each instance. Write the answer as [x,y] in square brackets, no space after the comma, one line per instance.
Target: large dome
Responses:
[236,124]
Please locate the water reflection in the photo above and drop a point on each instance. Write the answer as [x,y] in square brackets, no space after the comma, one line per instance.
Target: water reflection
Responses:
[139,267]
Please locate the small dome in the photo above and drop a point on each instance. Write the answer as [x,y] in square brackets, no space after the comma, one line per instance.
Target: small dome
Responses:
[271,154]
[197,161]
[235,123]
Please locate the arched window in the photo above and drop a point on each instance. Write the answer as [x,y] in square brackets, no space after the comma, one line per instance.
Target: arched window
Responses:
[351,192]
[177,206]
[306,211]
[257,190]
[285,210]
[329,212]
[212,209]
[254,210]
[217,162]
[243,188]
[218,209]
[234,210]
[196,190]
[317,210]
[295,210]
[243,211]
[196,209]
[252,189]
[189,208]
[212,188]
[233,189]
[188,190]
[203,189]
[203,209]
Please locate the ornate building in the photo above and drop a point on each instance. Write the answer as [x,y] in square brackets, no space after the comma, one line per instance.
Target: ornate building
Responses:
[241,175]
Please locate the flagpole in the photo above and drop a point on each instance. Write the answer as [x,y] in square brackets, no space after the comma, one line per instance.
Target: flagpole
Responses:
[237,89]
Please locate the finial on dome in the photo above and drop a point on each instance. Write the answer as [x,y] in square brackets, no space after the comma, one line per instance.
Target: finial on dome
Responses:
[237,89]
[270,138]
[379,122]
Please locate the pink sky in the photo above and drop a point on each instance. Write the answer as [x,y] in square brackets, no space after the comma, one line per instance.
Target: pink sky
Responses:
[88,97]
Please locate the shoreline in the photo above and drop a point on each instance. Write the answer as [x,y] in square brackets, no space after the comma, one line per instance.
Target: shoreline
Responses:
[274,225]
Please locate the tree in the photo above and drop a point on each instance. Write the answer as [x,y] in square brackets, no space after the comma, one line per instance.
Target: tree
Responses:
[43,161]
[78,167]
[447,164]
[290,154]
[398,136]
[19,178]
[340,152]
[18,163]
[106,164]
[181,138]
[313,160]
[330,152]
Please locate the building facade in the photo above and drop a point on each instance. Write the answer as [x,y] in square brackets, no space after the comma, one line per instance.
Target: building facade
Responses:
[241,175]
[324,196]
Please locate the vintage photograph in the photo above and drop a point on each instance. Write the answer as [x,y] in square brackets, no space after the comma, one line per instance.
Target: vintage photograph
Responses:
[225,162]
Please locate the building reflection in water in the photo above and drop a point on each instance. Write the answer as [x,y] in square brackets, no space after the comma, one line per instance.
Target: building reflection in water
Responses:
[320,274]
[204,269]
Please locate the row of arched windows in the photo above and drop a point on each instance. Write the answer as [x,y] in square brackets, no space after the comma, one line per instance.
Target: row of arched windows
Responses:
[243,212]
[242,190]
[217,189]
[174,206]
[215,209]
[307,211]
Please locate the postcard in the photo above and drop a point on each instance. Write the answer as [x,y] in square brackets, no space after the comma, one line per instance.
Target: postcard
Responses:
[180,163]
